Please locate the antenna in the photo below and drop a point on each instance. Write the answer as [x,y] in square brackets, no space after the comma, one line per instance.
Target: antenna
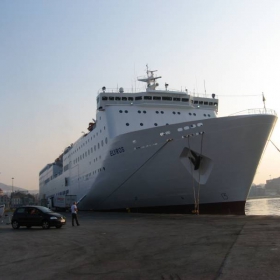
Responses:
[263,99]
[204,88]
[134,79]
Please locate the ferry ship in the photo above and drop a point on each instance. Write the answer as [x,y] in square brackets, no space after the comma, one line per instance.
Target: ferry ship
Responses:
[161,151]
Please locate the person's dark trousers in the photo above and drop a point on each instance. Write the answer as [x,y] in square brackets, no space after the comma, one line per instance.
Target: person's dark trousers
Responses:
[74,217]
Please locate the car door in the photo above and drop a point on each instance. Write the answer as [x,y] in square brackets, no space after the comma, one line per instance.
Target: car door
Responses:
[34,217]
[20,215]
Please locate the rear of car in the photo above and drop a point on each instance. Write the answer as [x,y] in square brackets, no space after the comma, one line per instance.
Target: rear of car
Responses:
[30,216]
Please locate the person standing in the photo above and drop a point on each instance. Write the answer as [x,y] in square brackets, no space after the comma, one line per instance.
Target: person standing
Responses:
[74,211]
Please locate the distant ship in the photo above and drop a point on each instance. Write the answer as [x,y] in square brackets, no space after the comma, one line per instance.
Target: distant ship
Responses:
[161,151]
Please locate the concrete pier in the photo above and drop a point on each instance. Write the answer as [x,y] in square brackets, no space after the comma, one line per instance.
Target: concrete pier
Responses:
[110,246]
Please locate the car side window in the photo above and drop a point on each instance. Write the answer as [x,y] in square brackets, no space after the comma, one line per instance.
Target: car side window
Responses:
[33,211]
[21,210]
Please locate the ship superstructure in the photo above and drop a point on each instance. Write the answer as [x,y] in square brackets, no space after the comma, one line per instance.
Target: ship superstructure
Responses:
[161,150]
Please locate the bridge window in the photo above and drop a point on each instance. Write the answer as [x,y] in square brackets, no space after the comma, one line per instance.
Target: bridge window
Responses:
[185,100]
[156,98]
[104,98]
[138,98]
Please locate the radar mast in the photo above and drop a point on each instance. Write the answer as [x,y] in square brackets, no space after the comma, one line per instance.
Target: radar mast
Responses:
[150,80]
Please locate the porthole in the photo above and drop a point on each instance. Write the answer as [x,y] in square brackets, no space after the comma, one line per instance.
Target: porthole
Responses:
[174,113]
[157,112]
[155,124]
[180,129]
[208,115]
[178,113]
[194,114]
[141,124]
[126,111]
[204,115]
[162,112]
[127,124]
[139,112]
[120,111]
[144,112]
[98,145]
[190,114]
[106,140]
[102,143]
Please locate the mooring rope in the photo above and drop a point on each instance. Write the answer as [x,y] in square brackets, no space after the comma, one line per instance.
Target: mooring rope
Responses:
[167,141]
[193,183]
[196,192]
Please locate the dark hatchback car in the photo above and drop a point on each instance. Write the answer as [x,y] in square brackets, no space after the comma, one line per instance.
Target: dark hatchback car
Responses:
[30,216]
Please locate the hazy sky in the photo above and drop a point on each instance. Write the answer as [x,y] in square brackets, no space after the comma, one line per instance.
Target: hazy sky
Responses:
[56,55]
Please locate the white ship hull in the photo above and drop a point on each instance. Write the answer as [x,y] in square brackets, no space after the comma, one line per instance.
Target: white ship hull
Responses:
[154,174]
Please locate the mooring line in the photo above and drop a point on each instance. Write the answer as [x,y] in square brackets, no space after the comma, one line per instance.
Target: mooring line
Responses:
[167,141]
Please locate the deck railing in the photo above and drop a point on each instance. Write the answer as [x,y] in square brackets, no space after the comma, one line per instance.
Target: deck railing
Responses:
[256,111]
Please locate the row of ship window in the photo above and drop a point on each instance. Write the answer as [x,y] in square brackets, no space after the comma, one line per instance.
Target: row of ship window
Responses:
[164,98]
[162,112]
[87,141]
[87,153]
[85,177]
[95,147]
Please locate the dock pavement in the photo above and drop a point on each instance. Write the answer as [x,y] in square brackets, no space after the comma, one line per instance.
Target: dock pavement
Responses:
[124,246]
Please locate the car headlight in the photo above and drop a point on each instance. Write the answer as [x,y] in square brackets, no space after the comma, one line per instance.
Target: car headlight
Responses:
[53,218]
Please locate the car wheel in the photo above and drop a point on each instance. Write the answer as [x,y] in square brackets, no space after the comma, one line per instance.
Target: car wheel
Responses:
[15,225]
[46,225]
[59,226]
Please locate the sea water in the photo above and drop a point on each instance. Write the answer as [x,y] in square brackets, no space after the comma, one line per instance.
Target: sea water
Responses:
[263,206]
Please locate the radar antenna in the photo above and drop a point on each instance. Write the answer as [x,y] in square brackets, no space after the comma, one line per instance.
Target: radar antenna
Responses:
[150,80]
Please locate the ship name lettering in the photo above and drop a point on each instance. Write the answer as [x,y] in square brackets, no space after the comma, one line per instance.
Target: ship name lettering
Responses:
[117,151]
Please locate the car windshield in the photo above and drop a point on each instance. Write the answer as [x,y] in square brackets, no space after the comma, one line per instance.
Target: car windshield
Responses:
[44,209]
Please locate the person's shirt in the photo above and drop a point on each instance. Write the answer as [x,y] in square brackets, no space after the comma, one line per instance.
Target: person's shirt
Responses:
[74,209]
